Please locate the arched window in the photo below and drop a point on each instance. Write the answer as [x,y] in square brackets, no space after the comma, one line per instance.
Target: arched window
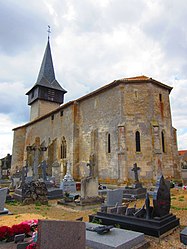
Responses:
[163,142]
[108,143]
[137,137]
[63,148]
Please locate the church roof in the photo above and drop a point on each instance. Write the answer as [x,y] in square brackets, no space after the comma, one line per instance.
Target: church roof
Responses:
[137,79]
[46,76]
[143,78]
[132,80]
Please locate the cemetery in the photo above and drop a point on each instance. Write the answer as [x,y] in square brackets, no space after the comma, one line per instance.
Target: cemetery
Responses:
[88,218]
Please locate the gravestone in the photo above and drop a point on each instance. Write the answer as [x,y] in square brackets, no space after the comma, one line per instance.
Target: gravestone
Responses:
[183,236]
[16,179]
[56,172]
[161,198]
[43,166]
[56,234]
[114,197]
[135,169]
[152,220]
[89,186]
[3,194]
[116,238]
[68,185]
[31,192]
[53,192]
[136,191]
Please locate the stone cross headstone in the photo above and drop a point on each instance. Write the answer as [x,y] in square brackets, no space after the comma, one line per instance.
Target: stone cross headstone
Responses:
[161,198]
[23,174]
[56,234]
[3,194]
[91,165]
[43,166]
[135,169]
[38,150]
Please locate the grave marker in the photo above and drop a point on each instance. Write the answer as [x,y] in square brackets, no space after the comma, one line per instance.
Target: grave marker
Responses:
[56,234]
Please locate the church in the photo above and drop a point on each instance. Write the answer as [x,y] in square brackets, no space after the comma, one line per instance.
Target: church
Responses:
[124,122]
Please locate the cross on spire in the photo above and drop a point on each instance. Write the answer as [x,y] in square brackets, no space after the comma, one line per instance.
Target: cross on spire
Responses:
[49,31]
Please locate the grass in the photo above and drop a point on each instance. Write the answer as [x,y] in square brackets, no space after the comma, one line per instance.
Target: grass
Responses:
[179,208]
[17,216]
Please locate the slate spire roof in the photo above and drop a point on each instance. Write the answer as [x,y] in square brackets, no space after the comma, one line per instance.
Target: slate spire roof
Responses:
[47,69]
[46,76]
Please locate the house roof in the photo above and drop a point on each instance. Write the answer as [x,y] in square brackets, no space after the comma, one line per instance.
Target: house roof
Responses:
[182,152]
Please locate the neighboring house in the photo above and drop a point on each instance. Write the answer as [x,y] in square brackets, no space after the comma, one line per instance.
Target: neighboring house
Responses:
[5,165]
[183,159]
[124,122]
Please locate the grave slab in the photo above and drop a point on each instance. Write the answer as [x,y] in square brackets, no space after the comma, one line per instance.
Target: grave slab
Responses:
[56,234]
[116,238]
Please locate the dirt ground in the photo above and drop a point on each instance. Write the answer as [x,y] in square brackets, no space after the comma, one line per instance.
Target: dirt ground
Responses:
[58,212]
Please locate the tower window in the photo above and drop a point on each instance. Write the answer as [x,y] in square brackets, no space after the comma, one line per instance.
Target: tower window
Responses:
[51,94]
[108,143]
[163,142]
[137,138]
[52,117]
[61,113]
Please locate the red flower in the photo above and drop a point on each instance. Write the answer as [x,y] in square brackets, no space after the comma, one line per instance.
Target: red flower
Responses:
[4,232]
[21,228]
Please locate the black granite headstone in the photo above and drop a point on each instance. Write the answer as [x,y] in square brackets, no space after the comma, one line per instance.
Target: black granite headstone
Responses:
[161,198]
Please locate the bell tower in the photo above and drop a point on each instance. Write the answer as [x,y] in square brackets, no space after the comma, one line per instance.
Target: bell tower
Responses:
[47,94]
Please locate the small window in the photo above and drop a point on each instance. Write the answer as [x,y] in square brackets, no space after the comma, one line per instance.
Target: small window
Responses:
[136,94]
[160,97]
[163,143]
[61,113]
[137,138]
[108,143]
[63,149]
[52,117]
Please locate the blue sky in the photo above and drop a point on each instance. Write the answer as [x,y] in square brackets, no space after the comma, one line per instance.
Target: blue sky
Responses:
[93,43]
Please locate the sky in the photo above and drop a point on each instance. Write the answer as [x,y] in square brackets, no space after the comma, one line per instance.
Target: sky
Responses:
[93,42]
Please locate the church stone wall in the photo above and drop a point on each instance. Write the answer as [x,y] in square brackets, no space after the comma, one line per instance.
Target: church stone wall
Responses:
[149,113]
[100,116]
[51,131]
[18,149]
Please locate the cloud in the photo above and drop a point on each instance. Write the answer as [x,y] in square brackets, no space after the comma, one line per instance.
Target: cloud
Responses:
[6,133]
[22,24]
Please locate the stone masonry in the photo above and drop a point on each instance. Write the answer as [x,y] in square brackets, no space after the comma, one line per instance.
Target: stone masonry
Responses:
[105,122]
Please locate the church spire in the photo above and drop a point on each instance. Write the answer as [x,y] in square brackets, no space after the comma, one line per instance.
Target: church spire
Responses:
[46,94]
[47,69]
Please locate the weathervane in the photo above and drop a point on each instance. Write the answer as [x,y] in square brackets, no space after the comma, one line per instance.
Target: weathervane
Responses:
[49,31]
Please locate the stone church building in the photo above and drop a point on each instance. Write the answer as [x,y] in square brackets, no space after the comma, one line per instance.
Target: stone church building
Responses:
[124,122]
